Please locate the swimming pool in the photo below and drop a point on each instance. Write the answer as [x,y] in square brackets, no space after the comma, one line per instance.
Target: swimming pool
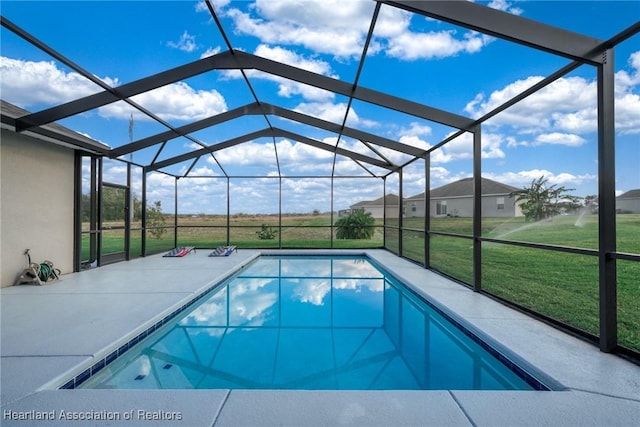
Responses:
[314,323]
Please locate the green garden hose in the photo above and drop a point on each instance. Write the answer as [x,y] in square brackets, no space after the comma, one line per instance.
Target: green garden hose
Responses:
[47,272]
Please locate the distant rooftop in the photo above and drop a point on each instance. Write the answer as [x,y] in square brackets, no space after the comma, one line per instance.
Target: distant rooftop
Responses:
[631,194]
[464,188]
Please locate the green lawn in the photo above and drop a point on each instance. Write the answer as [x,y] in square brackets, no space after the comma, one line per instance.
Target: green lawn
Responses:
[560,285]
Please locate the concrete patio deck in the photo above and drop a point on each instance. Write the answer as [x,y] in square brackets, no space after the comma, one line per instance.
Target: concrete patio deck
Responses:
[50,333]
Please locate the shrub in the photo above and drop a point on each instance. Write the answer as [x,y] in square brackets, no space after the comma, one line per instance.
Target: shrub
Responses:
[356,225]
[267,233]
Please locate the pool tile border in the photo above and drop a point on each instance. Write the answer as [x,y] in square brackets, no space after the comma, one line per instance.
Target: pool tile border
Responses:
[535,378]
[83,376]
[524,374]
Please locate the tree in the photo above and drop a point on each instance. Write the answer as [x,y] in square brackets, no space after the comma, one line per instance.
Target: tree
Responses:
[356,225]
[156,220]
[544,201]
[591,203]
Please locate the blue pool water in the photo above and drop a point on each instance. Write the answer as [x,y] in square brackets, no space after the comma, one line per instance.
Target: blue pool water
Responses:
[315,323]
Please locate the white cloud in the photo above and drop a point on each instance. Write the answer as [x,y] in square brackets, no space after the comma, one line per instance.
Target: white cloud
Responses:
[410,46]
[439,173]
[416,129]
[248,153]
[186,43]
[177,101]
[627,101]
[567,106]
[545,109]
[325,111]
[340,28]
[160,187]
[334,27]
[334,113]
[289,57]
[627,116]
[525,177]
[303,159]
[461,147]
[491,145]
[398,40]
[557,138]
[218,5]
[294,157]
[626,79]
[200,172]
[288,88]
[114,171]
[210,52]
[27,83]
[505,6]
[414,141]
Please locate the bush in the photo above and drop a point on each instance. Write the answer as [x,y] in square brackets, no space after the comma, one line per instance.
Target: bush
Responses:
[267,233]
[357,225]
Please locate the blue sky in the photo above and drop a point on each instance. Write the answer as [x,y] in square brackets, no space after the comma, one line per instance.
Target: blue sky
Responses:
[427,61]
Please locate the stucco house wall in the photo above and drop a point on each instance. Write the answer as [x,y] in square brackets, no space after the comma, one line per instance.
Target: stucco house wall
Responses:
[36,204]
[459,201]
[377,207]
[628,202]
[463,206]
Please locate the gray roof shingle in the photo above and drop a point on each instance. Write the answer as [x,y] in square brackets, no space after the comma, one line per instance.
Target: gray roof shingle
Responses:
[464,187]
[631,194]
[391,199]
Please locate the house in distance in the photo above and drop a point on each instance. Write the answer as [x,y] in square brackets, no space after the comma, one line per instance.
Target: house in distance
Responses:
[454,199]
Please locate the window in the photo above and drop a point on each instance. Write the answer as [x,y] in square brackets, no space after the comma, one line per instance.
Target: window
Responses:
[441,207]
[500,202]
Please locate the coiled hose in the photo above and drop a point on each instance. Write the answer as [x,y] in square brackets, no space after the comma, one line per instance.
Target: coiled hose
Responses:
[44,272]
[47,272]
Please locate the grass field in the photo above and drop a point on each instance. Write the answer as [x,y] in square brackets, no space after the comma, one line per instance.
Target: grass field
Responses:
[560,285]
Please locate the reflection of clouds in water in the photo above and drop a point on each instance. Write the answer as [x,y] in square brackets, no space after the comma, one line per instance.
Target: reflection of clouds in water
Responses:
[252,309]
[306,268]
[262,267]
[240,287]
[212,332]
[323,268]
[250,302]
[211,312]
[251,298]
[293,267]
[312,291]
[358,284]
[354,268]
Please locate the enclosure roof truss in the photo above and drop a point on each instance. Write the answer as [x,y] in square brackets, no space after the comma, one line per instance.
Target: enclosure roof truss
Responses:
[579,48]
